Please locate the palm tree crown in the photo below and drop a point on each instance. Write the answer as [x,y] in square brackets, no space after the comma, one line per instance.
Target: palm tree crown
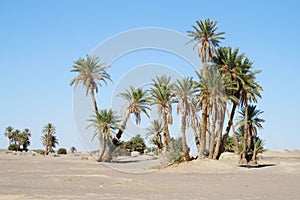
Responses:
[206,38]
[90,73]
[137,102]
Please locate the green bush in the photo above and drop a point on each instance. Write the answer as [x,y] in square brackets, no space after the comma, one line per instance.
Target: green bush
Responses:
[62,151]
[13,147]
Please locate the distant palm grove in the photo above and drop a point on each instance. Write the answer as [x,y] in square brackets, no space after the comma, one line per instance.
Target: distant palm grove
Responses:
[226,86]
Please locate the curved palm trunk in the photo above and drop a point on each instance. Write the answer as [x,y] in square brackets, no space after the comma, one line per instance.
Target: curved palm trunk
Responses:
[121,130]
[203,129]
[183,132]
[94,101]
[102,146]
[227,130]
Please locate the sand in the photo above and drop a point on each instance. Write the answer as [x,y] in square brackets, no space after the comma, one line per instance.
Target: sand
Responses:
[31,176]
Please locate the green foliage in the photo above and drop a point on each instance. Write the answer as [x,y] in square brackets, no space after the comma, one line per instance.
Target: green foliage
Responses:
[13,147]
[62,151]
[230,145]
[136,144]
[176,156]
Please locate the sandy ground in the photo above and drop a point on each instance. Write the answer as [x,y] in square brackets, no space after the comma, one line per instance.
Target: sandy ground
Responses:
[24,176]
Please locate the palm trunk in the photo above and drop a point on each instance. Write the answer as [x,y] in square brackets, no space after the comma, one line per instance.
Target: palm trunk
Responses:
[203,129]
[197,142]
[102,145]
[208,133]
[212,136]
[168,138]
[123,126]
[227,130]
[94,101]
[221,118]
[244,159]
[183,129]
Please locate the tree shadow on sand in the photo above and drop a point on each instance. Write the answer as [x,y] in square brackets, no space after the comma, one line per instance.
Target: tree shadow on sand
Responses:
[257,166]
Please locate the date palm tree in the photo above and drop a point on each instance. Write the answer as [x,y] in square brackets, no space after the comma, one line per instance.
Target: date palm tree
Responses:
[91,74]
[155,129]
[162,97]
[249,93]
[229,62]
[49,139]
[206,38]
[184,91]
[137,103]
[9,134]
[24,139]
[104,122]
[254,122]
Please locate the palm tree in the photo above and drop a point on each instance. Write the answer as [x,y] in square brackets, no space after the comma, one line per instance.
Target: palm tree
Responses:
[104,122]
[49,140]
[253,122]
[137,102]
[155,129]
[9,134]
[162,97]
[195,120]
[207,40]
[90,74]
[24,139]
[184,91]
[230,62]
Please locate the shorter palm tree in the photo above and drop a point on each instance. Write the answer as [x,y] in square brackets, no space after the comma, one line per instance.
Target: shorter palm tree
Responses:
[254,122]
[184,91]
[155,130]
[9,134]
[162,97]
[104,122]
[49,139]
[137,102]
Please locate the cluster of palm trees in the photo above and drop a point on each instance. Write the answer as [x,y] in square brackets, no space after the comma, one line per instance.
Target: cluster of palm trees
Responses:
[18,141]
[227,81]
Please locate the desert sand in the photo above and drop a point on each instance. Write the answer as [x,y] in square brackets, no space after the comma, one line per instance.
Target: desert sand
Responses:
[32,176]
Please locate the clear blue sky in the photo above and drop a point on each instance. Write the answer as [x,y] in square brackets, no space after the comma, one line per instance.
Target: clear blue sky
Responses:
[39,40]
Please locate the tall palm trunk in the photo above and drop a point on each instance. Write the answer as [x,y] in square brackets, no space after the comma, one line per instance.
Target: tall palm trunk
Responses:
[203,128]
[213,130]
[244,159]
[196,137]
[102,146]
[183,132]
[221,117]
[208,132]
[94,101]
